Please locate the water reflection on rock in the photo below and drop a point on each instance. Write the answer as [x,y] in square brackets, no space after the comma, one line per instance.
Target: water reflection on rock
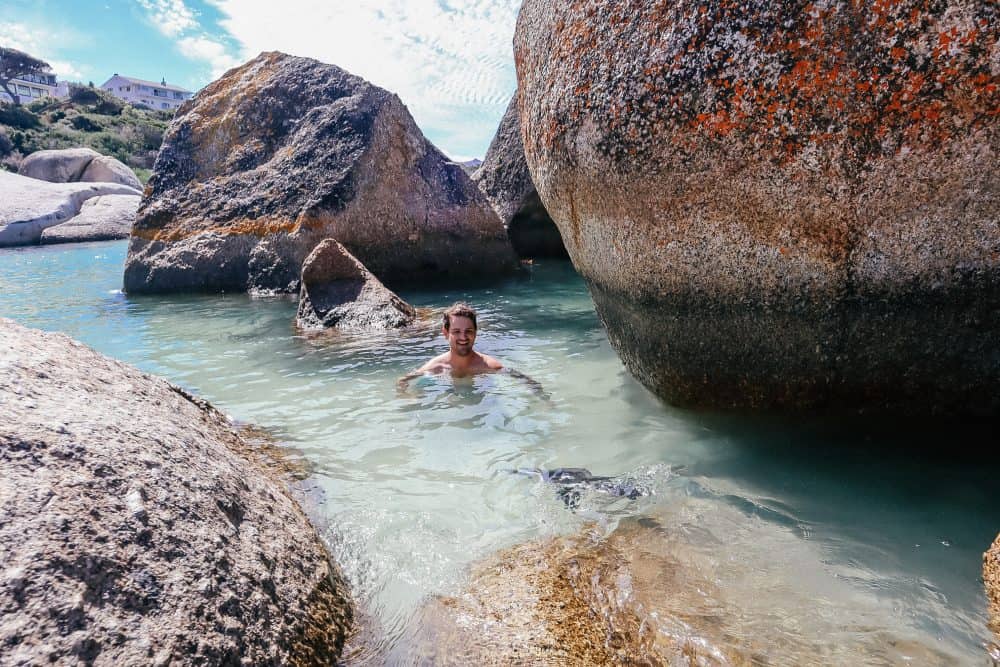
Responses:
[690,584]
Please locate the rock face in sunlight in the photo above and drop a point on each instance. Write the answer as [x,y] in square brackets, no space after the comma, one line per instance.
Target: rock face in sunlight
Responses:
[102,218]
[991,577]
[73,165]
[137,531]
[30,207]
[778,205]
[284,152]
[505,179]
[338,291]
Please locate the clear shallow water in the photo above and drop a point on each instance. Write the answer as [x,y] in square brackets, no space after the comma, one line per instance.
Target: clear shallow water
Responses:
[833,532]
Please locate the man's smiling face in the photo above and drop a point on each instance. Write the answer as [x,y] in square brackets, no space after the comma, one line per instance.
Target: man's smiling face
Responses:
[461,335]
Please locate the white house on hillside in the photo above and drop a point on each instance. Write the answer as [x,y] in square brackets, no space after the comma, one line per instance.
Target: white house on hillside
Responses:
[149,93]
[30,87]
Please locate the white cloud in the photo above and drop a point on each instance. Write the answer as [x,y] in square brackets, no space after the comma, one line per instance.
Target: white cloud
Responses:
[176,20]
[38,42]
[171,17]
[209,50]
[450,62]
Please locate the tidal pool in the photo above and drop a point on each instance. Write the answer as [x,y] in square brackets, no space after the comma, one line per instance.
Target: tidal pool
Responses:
[803,541]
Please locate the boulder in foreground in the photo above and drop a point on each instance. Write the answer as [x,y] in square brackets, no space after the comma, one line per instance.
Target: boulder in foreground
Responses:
[778,208]
[284,152]
[105,218]
[136,531]
[506,181]
[338,291]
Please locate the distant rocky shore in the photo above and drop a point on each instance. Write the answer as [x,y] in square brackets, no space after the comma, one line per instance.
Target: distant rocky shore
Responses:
[136,529]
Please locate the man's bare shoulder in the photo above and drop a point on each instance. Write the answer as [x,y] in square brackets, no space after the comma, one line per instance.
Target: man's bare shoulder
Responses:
[491,363]
[437,364]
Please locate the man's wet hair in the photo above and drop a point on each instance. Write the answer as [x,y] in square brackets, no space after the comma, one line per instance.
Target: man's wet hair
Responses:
[459,309]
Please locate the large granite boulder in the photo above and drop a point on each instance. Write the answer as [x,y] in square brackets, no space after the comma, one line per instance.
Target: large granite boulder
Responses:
[338,291]
[104,218]
[991,578]
[284,152]
[28,206]
[57,166]
[106,169]
[136,531]
[506,181]
[778,204]
[71,165]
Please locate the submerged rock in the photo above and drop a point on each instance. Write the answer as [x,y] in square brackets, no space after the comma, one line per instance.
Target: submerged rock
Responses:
[338,291]
[103,218]
[29,206]
[770,214]
[506,181]
[284,152]
[71,165]
[647,594]
[136,531]
[991,577]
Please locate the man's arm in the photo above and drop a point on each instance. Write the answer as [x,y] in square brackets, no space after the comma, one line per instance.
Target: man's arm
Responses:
[432,366]
[403,383]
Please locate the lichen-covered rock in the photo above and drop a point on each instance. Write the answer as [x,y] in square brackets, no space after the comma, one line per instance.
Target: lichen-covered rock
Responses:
[778,204]
[103,218]
[136,531]
[506,181]
[284,152]
[29,206]
[338,291]
[991,578]
[106,169]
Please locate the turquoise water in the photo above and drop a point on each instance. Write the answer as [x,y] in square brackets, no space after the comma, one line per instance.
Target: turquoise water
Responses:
[834,531]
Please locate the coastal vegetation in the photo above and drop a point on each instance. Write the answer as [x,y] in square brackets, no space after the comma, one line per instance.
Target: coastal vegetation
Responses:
[90,118]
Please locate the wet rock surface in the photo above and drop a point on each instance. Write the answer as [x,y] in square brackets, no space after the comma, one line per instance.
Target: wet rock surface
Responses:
[338,291]
[136,530]
[104,218]
[29,206]
[778,205]
[71,165]
[506,181]
[643,594]
[284,152]
[991,578]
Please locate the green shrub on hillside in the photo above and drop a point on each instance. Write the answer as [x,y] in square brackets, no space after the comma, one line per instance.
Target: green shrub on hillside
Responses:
[18,117]
[89,118]
[85,124]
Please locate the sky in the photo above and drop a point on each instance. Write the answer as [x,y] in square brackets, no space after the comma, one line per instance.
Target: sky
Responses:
[450,61]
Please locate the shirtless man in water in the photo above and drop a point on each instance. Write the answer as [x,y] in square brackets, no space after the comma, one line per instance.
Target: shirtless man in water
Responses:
[461,360]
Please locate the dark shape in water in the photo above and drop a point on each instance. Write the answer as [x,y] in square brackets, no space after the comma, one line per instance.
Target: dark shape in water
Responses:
[573,481]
